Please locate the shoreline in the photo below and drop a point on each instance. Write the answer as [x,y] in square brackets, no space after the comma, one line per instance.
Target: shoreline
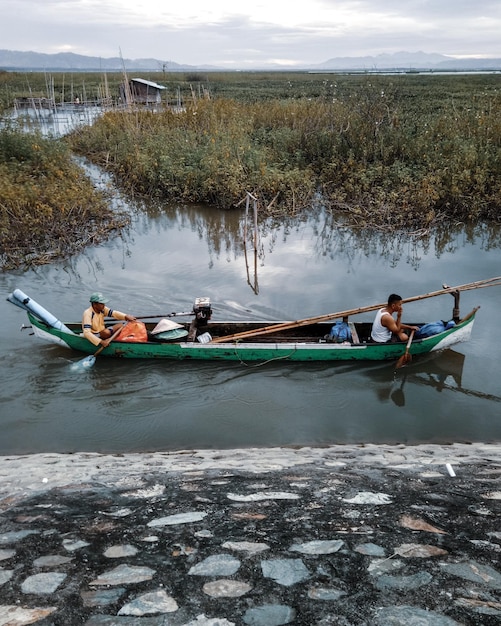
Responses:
[30,473]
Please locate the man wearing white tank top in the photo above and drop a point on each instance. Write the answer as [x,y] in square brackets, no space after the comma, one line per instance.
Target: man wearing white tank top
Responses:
[385,327]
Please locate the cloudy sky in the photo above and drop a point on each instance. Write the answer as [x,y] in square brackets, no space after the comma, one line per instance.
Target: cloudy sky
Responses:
[250,33]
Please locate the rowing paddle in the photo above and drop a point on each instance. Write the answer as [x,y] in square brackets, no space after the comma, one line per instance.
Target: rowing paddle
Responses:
[406,356]
[88,361]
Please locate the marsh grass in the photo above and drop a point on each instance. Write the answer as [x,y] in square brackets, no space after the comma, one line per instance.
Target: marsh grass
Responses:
[383,149]
[391,152]
[48,208]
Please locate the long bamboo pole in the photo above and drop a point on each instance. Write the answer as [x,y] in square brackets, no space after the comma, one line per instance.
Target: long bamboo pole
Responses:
[152,317]
[272,328]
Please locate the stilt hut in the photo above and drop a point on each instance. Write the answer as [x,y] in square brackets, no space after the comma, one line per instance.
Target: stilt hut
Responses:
[141,91]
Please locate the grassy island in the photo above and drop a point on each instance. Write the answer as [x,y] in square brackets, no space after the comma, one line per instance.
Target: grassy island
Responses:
[393,152]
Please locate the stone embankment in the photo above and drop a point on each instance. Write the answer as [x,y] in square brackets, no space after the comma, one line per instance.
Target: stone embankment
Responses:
[345,536]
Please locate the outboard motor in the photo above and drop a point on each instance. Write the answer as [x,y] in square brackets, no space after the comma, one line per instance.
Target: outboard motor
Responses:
[203,312]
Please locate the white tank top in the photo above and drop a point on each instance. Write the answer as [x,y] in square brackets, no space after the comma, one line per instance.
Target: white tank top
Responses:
[379,332]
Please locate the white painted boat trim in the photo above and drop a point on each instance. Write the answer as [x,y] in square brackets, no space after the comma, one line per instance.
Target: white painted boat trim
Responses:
[459,336]
[42,334]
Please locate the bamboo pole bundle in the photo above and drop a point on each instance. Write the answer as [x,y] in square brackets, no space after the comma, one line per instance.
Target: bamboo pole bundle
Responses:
[272,328]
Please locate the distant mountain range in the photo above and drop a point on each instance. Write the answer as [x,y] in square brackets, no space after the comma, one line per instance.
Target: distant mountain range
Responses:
[399,61]
[67,61]
[409,61]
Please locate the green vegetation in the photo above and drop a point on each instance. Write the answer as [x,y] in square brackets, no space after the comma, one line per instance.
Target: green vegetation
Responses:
[48,209]
[390,151]
[212,152]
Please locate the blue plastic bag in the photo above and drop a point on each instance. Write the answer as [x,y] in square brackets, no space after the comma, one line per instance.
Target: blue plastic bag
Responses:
[339,332]
[433,328]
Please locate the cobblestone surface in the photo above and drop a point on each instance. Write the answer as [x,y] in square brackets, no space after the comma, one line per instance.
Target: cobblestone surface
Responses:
[346,536]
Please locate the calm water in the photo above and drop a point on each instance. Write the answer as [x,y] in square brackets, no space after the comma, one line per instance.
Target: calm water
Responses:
[306,268]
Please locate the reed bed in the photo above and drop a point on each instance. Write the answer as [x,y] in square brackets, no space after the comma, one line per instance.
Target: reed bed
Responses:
[387,156]
[48,208]
[389,152]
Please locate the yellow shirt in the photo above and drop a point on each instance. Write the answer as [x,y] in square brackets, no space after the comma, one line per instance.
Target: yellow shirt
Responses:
[93,323]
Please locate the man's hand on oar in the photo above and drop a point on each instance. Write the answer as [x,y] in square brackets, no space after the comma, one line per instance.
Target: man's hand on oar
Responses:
[88,361]
[406,356]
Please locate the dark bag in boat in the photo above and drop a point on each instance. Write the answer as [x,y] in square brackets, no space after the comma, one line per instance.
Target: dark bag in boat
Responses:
[339,332]
[433,328]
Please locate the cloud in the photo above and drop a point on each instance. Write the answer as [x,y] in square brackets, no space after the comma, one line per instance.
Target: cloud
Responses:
[229,34]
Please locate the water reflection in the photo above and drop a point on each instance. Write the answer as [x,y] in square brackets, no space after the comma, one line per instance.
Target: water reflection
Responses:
[333,238]
[157,406]
[438,371]
[222,231]
[321,232]
[441,383]
[442,372]
[307,266]
[57,120]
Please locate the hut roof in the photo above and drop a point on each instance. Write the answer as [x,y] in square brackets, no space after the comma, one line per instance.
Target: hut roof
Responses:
[148,83]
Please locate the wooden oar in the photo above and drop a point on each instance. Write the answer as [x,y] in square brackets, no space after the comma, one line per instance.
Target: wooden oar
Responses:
[88,361]
[406,356]
[278,327]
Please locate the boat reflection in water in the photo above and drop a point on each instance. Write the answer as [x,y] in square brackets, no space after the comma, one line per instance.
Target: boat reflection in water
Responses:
[442,371]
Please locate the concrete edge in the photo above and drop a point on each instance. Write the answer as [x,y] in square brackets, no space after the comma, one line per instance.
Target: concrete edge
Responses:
[30,474]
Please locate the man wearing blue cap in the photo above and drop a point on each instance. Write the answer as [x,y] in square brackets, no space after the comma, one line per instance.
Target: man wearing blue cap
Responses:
[93,325]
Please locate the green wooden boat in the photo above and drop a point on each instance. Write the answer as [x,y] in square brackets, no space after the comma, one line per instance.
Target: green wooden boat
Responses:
[246,341]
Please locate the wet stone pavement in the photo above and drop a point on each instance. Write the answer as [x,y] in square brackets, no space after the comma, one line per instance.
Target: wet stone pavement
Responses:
[345,536]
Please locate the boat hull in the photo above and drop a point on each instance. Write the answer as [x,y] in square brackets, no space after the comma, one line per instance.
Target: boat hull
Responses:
[292,348]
